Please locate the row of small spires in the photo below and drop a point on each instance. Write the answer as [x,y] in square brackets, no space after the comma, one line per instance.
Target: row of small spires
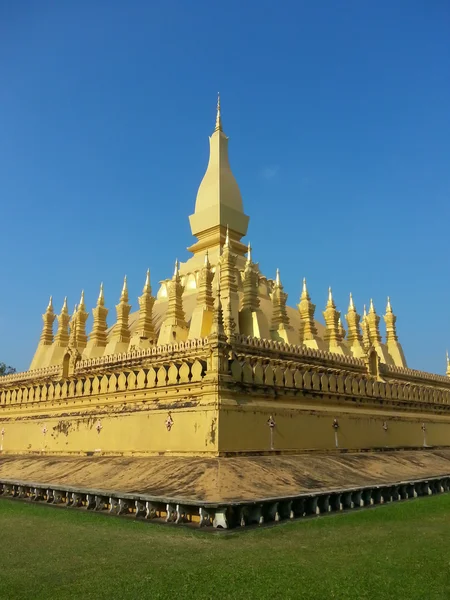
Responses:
[332,316]
[147,289]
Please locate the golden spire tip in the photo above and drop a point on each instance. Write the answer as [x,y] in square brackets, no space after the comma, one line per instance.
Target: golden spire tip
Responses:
[100,300]
[124,294]
[372,307]
[388,305]
[249,254]
[147,288]
[351,306]
[218,117]
[227,239]
[277,278]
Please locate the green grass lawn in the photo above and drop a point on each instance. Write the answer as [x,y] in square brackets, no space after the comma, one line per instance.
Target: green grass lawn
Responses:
[400,551]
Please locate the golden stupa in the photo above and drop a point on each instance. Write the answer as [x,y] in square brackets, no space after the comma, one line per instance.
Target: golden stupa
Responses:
[216,364]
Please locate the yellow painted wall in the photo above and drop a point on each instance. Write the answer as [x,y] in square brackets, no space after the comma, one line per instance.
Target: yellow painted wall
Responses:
[245,428]
[133,422]
[137,428]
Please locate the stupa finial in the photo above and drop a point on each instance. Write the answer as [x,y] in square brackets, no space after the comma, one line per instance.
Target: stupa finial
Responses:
[448,365]
[330,298]
[147,288]
[277,278]
[304,288]
[218,117]
[388,305]
[227,239]
[81,305]
[351,306]
[101,297]
[249,254]
[371,307]
[64,306]
[207,263]
[124,294]
[50,305]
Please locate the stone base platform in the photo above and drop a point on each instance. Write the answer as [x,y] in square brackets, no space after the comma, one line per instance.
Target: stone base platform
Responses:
[226,491]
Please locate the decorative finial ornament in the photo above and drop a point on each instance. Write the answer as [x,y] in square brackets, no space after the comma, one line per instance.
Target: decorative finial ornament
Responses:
[64,306]
[448,365]
[351,306]
[50,304]
[207,263]
[227,239]
[277,278]
[249,254]
[218,117]
[330,298]
[81,303]
[388,305]
[147,288]
[176,271]
[364,312]
[304,289]
[372,307]
[101,298]
[124,294]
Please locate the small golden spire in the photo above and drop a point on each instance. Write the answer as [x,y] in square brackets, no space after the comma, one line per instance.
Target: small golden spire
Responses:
[371,307]
[176,271]
[50,305]
[249,254]
[388,305]
[101,297]
[81,305]
[227,239]
[218,117]
[304,289]
[124,294]
[330,298]
[277,278]
[448,365]
[207,263]
[351,306]
[64,306]
[147,288]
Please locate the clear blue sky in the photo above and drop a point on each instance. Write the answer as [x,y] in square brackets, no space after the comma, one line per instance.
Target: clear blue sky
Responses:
[338,115]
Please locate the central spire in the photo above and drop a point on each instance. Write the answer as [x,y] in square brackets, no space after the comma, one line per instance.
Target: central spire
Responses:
[218,118]
[219,201]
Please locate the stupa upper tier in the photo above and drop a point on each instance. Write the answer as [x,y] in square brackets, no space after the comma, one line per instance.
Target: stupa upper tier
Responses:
[183,308]
[219,202]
